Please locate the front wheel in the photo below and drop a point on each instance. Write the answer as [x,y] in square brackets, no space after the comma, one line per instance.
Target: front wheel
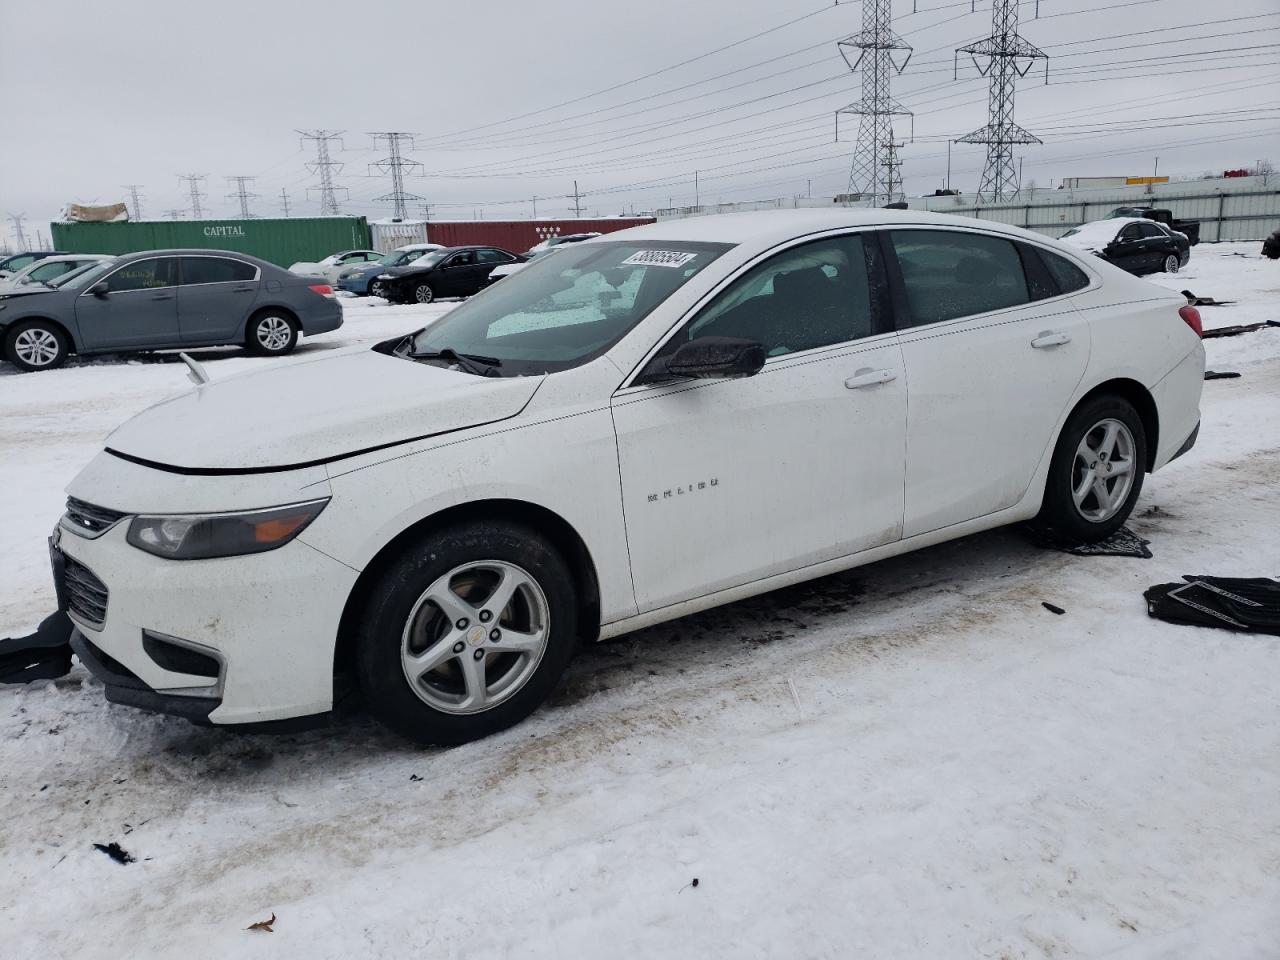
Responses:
[423,293]
[467,632]
[272,334]
[36,345]
[378,288]
[1096,473]
[1172,263]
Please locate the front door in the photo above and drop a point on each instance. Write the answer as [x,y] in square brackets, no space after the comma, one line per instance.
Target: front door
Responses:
[990,372]
[215,297]
[726,482]
[138,311]
[458,276]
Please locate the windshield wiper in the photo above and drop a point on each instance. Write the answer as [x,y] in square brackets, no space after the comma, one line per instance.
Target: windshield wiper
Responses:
[470,362]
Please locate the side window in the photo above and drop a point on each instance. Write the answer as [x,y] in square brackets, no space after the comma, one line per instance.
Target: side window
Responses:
[949,274]
[464,259]
[492,256]
[809,296]
[1066,274]
[1131,232]
[47,271]
[1150,230]
[17,263]
[143,275]
[215,270]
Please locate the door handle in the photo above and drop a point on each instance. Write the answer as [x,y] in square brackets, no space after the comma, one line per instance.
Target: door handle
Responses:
[1049,338]
[163,296]
[866,377]
[243,290]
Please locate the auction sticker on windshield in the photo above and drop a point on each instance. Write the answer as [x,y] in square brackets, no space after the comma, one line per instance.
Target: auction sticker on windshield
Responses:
[659,258]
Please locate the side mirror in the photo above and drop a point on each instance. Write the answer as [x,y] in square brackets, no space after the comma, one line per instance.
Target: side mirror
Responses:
[717,357]
[99,289]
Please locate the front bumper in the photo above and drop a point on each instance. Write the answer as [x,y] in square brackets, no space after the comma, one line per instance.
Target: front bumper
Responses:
[270,619]
[355,285]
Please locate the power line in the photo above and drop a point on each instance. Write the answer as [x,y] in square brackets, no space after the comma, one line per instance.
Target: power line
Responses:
[242,194]
[193,181]
[395,165]
[325,167]
[136,199]
[874,172]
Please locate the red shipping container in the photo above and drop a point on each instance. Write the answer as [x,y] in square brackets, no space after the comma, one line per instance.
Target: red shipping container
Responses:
[519,235]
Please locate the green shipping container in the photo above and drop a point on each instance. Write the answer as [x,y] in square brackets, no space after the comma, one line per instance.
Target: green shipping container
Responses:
[283,241]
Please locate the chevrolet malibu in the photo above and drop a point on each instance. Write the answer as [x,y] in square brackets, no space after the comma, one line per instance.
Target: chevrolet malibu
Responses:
[640,427]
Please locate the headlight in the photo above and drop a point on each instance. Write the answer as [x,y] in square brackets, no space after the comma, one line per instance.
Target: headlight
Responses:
[195,537]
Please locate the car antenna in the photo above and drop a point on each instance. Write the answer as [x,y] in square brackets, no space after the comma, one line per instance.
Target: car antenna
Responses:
[195,372]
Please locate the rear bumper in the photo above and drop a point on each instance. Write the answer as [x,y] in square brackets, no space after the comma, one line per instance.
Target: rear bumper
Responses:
[1177,398]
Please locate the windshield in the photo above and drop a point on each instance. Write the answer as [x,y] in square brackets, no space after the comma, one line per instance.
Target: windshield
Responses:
[564,310]
[398,258]
[82,278]
[428,259]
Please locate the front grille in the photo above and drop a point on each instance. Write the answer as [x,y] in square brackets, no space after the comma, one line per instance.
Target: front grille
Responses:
[91,520]
[86,594]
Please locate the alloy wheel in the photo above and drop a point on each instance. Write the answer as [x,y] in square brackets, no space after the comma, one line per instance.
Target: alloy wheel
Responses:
[423,293]
[1103,470]
[36,347]
[274,333]
[1171,264]
[376,289]
[475,636]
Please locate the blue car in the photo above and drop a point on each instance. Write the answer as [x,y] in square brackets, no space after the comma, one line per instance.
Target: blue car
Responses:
[358,279]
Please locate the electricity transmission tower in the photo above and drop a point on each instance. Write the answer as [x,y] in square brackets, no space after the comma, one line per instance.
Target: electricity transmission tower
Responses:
[193,181]
[284,201]
[325,168]
[396,164]
[242,194]
[135,208]
[878,50]
[1006,58]
[21,237]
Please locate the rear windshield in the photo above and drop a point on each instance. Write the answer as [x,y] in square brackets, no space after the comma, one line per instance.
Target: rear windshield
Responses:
[565,310]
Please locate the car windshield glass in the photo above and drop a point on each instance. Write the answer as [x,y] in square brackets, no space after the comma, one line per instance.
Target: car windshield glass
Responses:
[564,310]
[82,278]
[398,258]
[428,259]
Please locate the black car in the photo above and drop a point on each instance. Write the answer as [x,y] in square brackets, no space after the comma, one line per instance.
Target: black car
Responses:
[451,272]
[1271,246]
[1138,246]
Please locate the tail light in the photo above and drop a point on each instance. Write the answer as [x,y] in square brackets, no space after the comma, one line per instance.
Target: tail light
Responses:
[321,288]
[1192,317]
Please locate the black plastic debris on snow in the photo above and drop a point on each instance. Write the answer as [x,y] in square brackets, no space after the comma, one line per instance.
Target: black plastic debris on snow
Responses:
[1220,375]
[1243,604]
[43,655]
[115,852]
[1123,543]
[1195,301]
[1052,608]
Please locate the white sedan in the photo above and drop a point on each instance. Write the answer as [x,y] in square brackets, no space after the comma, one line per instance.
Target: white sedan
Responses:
[335,262]
[37,276]
[637,428]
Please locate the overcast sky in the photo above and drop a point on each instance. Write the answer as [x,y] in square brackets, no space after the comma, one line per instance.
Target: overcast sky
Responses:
[106,94]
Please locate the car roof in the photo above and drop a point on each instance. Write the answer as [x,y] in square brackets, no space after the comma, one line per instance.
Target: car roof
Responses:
[195,252]
[765,228]
[63,257]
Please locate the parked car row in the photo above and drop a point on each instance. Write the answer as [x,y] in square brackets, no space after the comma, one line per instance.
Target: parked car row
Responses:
[162,299]
[17,261]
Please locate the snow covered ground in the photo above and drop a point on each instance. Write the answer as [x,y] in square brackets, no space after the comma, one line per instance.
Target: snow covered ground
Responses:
[914,759]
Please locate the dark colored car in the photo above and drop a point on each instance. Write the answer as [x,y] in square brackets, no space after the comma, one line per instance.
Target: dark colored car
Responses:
[1138,246]
[16,261]
[1271,246]
[164,299]
[1189,228]
[451,272]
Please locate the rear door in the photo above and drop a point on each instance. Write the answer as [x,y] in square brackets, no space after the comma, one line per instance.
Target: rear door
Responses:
[138,311]
[993,354]
[215,297]
[1158,243]
[488,259]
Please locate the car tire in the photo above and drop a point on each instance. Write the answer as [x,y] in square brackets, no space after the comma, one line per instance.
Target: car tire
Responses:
[36,345]
[377,288]
[1172,263]
[430,655]
[422,293]
[1109,427]
[271,333]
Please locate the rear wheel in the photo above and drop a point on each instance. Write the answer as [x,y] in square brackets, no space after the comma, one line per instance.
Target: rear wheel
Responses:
[1096,474]
[423,293]
[467,632]
[36,345]
[272,334]
[1172,263]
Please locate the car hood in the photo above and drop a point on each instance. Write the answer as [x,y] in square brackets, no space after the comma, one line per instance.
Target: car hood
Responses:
[407,269]
[313,412]
[8,289]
